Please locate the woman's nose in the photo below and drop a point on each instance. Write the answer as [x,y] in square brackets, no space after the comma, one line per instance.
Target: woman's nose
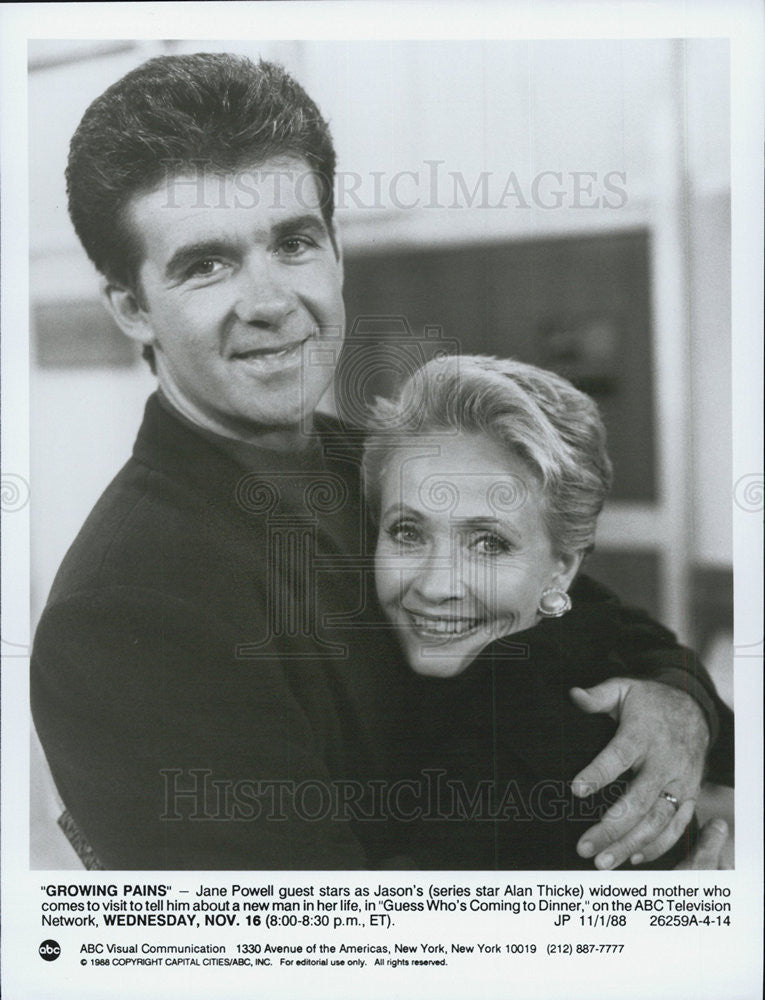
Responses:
[439,577]
[263,298]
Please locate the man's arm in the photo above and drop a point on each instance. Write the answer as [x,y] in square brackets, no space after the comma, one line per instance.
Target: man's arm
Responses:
[668,711]
[169,752]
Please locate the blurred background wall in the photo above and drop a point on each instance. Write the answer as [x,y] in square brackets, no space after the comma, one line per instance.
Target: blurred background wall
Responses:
[565,202]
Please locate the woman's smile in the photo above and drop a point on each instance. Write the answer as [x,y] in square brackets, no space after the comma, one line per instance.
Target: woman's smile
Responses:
[442,627]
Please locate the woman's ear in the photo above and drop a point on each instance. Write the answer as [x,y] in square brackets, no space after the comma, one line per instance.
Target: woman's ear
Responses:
[567,567]
[125,308]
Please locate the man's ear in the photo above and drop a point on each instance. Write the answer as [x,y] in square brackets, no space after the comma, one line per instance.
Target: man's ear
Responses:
[125,308]
[338,247]
[567,567]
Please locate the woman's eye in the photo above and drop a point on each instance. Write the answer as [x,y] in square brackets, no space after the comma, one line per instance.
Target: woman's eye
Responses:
[404,533]
[490,544]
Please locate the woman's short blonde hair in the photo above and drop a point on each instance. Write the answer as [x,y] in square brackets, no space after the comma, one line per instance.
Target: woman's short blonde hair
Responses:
[535,414]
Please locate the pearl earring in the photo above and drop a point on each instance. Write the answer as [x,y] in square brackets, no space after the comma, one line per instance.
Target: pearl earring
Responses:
[554,603]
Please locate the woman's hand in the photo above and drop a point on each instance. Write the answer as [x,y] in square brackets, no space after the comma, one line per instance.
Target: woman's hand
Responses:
[714,850]
[663,737]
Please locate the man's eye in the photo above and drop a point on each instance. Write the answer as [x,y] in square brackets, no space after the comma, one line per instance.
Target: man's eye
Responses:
[294,246]
[489,544]
[404,533]
[205,268]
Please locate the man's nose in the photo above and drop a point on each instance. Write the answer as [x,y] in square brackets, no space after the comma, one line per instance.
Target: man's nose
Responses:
[263,298]
[439,577]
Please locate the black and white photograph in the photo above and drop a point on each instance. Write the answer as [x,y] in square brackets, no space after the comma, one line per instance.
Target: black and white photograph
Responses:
[377,484]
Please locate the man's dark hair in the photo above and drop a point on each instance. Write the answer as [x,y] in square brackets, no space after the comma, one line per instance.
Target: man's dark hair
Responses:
[179,114]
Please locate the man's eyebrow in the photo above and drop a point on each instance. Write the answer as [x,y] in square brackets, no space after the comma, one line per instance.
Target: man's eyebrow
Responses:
[190,253]
[314,224]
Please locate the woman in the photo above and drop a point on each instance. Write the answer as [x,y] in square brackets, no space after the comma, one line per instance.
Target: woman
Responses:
[488,477]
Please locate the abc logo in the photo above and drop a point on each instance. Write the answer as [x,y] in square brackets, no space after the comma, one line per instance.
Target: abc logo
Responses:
[49,950]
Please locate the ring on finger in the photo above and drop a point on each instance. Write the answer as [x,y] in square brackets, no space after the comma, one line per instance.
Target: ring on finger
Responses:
[673,801]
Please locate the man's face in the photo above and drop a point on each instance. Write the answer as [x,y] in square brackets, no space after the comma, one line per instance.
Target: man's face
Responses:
[241,296]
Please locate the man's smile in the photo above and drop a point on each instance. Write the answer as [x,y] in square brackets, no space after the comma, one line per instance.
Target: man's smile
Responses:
[271,359]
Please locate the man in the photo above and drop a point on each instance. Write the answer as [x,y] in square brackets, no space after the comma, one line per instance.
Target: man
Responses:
[208,681]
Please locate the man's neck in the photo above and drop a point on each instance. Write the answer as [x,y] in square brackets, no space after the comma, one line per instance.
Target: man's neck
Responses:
[281,439]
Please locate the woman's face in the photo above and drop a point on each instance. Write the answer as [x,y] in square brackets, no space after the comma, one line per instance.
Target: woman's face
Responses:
[463,553]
